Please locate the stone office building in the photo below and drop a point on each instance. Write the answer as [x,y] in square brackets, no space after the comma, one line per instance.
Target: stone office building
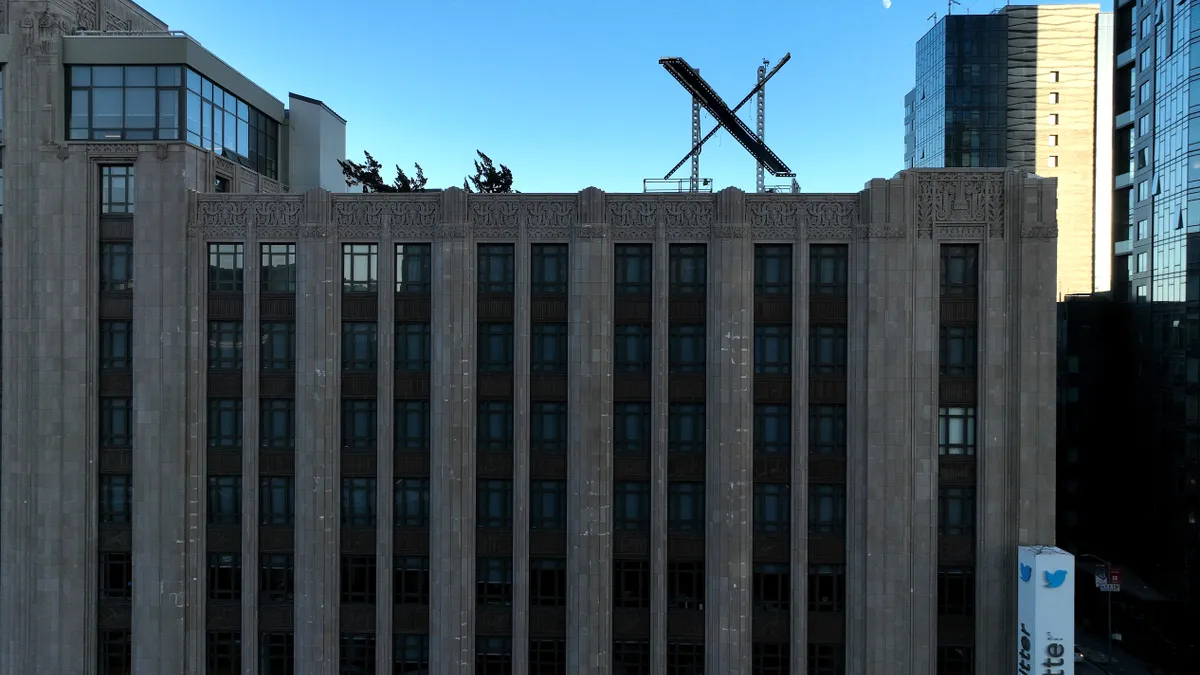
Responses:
[250,428]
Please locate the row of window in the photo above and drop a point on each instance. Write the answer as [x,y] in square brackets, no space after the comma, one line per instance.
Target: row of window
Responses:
[686,427]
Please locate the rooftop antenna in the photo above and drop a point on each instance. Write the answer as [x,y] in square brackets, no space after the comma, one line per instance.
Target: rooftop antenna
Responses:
[950,6]
[760,184]
[726,118]
[933,17]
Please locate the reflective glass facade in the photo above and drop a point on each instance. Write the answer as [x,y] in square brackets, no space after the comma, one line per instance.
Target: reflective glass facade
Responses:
[169,103]
[956,116]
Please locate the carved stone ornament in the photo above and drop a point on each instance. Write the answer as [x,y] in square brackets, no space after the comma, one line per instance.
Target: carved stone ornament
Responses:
[270,186]
[972,232]
[1039,232]
[62,151]
[112,22]
[359,217]
[689,218]
[413,218]
[112,149]
[550,218]
[221,219]
[589,231]
[225,167]
[495,217]
[774,216]
[86,15]
[960,198]
[161,151]
[632,218]
[43,32]
[884,232]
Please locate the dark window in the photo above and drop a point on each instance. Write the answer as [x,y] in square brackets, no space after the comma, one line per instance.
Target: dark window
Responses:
[631,429]
[277,501]
[631,349]
[277,424]
[116,575]
[958,351]
[411,580]
[219,121]
[955,660]
[547,657]
[548,431]
[685,658]
[359,430]
[685,508]
[414,269]
[826,659]
[494,581]
[689,272]
[360,346]
[686,348]
[116,498]
[410,655]
[631,505]
[224,576]
[548,348]
[278,268]
[412,426]
[117,193]
[550,263]
[826,509]
[226,267]
[357,653]
[495,347]
[772,504]
[116,267]
[412,503]
[494,499]
[225,423]
[494,428]
[277,577]
[956,511]
[116,652]
[828,269]
[685,584]
[360,268]
[772,350]
[633,273]
[358,502]
[493,655]
[115,343]
[960,270]
[276,654]
[956,591]
[224,656]
[358,579]
[224,345]
[686,428]
[827,430]
[116,429]
[548,505]
[772,586]
[220,184]
[496,269]
[772,429]
[770,658]
[278,346]
[826,588]
[412,347]
[548,582]
[224,500]
[631,658]
[631,583]
[773,269]
[827,350]
[956,431]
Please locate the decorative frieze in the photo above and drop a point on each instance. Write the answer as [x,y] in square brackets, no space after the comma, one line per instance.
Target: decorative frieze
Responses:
[960,198]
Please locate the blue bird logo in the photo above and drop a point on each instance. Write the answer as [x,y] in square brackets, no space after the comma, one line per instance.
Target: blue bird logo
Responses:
[1026,572]
[1055,579]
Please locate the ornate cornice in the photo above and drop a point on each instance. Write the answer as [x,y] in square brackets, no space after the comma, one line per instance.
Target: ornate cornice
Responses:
[960,199]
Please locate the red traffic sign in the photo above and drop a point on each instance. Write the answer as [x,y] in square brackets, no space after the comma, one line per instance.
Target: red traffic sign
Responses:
[1114,576]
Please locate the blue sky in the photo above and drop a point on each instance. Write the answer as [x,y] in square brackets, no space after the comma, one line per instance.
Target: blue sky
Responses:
[570,94]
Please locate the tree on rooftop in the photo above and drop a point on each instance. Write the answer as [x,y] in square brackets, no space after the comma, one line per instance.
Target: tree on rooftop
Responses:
[367,175]
[488,178]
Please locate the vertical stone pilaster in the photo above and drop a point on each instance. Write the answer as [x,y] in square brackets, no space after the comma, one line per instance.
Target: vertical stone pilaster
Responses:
[800,453]
[195,459]
[521,457]
[251,355]
[589,448]
[318,436]
[385,474]
[452,444]
[659,411]
[729,461]
[162,452]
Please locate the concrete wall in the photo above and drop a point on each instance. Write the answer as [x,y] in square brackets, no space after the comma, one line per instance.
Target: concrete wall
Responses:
[316,141]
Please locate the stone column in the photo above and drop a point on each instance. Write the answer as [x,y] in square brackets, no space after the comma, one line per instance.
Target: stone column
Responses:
[659,412]
[729,461]
[858,298]
[452,443]
[251,355]
[589,449]
[385,475]
[521,430]
[318,438]
[800,451]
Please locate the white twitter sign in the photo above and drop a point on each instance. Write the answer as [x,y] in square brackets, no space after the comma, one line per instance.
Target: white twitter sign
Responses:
[1045,611]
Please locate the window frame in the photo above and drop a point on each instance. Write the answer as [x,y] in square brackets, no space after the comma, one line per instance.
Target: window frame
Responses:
[496,269]
[226,351]
[772,429]
[359,507]
[277,344]
[116,345]
[686,348]
[360,346]
[773,350]
[276,501]
[957,422]
[226,267]
[116,257]
[360,268]
[772,508]
[358,579]
[223,576]
[544,416]
[359,415]
[277,424]
[773,270]
[411,510]
[548,348]
[410,580]
[957,511]
[775,596]
[411,432]
[688,265]
[116,498]
[118,192]
[826,588]
[628,416]
[271,255]
[494,580]
[632,344]
[496,352]
[498,416]
[497,494]
[409,257]
[834,496]
[547,257]
[547,582]
[631,583]
[688,494]
[547,505]
[406,333]
[829,266]
[687,428]
[633,274]
[958,271]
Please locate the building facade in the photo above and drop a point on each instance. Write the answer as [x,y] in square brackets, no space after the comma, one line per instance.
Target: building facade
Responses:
[1024,87]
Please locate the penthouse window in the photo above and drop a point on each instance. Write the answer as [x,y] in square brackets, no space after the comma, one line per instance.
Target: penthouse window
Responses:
[496,269]
[414,269]
[550,269]
[230,127]
[633,272]
[116,189]
[278,268]
[689,274]
[114,103]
